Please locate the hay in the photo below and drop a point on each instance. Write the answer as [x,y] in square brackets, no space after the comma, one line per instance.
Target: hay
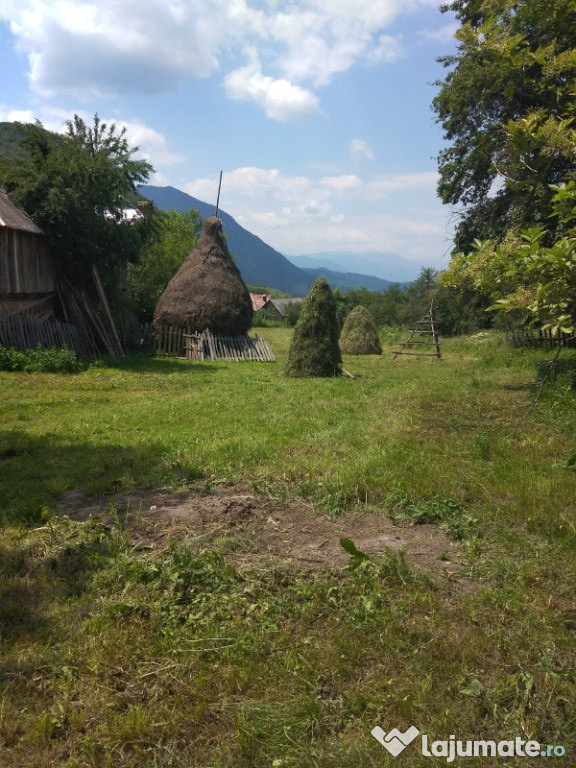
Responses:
[207,292]
[359,335]
[314,350]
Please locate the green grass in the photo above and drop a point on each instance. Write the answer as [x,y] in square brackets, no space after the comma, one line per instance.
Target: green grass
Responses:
[113,655]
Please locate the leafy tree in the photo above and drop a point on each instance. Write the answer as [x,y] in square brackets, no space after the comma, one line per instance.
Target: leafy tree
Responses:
[384,307]
[507,108]
[314,349]
[76,187]
[523,275]
[292,313]
[174,237]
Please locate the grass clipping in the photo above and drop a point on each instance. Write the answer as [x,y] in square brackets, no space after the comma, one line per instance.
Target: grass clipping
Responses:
[314,350]
[359,335]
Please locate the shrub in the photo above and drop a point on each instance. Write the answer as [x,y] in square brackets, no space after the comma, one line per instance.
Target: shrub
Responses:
[314,350]
[359,335]
[39,360]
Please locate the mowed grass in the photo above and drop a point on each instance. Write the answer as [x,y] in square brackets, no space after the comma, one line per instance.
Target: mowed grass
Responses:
[116,656]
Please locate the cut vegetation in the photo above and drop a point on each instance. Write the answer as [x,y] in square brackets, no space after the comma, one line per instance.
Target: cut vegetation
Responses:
[217,565]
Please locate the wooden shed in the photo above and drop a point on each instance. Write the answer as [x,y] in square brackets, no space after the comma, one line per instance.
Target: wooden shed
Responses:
[26,268]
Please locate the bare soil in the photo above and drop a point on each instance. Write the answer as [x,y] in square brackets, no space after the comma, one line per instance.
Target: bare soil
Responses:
[258,531]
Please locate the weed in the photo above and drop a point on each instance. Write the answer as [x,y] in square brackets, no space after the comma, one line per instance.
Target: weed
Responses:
[450,515]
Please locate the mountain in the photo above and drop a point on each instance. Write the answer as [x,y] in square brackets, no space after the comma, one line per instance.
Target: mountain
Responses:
[387,266]
[349,281]
[259,263]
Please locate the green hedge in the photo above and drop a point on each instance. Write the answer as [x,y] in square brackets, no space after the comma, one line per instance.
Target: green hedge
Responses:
[39,360]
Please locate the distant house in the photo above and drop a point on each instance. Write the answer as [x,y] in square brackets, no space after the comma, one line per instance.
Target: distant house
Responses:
[259,300]
[26,269]
[278,306]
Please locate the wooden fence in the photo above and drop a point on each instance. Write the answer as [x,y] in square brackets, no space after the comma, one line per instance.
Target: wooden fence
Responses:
[181,342]
[28,331]
[540,338]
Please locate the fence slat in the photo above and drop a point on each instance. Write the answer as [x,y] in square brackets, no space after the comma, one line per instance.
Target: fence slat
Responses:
[171,341]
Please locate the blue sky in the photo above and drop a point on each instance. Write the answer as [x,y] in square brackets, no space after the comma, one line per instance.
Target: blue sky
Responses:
[317,111]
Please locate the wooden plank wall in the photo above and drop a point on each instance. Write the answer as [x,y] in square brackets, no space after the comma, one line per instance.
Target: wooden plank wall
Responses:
[25,265]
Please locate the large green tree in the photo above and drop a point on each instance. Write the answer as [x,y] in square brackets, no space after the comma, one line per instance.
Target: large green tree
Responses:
[507,108]
[77,186]
[174,237]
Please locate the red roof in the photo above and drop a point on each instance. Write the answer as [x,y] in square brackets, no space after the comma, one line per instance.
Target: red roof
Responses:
[259,300]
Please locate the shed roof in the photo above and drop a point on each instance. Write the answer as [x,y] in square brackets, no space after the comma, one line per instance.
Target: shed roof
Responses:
[15,218]
[281,304]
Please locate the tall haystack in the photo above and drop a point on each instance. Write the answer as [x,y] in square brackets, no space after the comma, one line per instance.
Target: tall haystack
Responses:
[314,350]
[359,335]
[207,292]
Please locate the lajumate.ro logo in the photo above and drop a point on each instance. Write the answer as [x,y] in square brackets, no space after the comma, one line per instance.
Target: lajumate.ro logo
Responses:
[396,741]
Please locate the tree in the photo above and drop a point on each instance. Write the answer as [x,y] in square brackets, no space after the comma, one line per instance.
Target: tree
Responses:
[507,108]
[76,187]
[524,275]
[174,237]
[314,349]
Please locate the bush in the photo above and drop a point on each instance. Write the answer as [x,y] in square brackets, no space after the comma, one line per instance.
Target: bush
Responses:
[314,350]
[359,335]
[263,318]
[39,360]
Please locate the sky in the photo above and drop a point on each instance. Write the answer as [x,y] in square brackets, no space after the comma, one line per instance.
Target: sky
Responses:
[317,111]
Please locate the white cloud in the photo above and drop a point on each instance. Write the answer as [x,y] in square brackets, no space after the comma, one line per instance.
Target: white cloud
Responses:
[444,34]
[359,148]
[280,99]
[300,214]
[383,185]
[90,48]
[387,50]
[105,48]
[338,184]
[153,146]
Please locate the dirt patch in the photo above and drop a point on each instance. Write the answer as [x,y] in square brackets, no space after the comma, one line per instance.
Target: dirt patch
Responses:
[256,531]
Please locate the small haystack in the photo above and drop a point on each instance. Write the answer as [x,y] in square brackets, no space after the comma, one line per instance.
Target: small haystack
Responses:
[359,335]
[314,350]
[207,292]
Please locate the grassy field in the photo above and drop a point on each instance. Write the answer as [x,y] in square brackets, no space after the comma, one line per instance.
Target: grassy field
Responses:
[117,654]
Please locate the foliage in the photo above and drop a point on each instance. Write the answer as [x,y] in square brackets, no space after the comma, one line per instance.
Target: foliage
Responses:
[264,318]
[265,289]
[39,360]
[384,307]
[174,236]
[507,108]
[522,274]
[450,515]
[314,350]
[359,335]
[292,312]
[76,187]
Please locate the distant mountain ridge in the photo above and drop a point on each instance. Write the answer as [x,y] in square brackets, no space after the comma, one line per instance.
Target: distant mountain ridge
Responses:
[384,265]
[349,281]
[259,263]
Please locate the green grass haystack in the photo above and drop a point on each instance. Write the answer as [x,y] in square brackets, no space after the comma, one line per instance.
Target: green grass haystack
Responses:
[359,335]
[314,349]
